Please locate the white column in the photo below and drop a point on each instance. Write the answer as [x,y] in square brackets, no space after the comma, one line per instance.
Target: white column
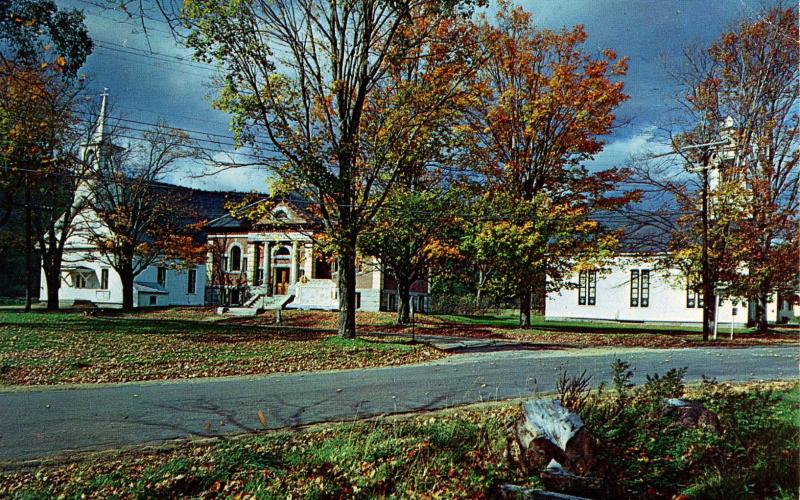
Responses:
[377,274]
[308,264]
[268,266]
[294,270]
[210,264]
[251,263]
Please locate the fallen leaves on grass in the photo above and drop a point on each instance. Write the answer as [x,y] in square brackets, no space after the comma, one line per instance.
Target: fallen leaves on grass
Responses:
[70,348]
[453,454]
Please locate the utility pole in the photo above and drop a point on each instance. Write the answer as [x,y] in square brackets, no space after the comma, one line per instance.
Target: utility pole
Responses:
[709,295]
[709,299]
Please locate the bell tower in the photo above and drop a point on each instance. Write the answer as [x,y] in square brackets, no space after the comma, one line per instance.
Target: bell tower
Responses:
[92,149]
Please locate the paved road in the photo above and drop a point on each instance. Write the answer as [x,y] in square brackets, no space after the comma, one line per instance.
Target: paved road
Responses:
[46,422]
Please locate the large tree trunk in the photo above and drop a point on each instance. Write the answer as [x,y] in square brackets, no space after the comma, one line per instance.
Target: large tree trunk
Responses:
[404,294]
[545,430]
[762,303]
[709,300]
[53,278]
[51,255]
[126,277]
[709,308]
[525,306]
[347,293]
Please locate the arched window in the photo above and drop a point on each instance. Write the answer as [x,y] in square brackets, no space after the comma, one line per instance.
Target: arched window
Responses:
[235,259]
[280,214]
[281,255]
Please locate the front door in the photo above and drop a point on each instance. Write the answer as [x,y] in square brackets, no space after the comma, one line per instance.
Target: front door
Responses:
[281,280]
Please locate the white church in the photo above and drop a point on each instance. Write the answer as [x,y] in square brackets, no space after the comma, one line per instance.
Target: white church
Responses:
[87,278]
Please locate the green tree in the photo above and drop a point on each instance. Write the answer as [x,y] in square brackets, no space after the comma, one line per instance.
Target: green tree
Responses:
[410,237]
[300,79]
[540,106]
[41,49]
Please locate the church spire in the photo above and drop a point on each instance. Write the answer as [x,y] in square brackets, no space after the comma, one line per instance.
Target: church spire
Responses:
[99,131]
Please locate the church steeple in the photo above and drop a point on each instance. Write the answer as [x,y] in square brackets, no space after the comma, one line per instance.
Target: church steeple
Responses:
[99,130]
[93,148]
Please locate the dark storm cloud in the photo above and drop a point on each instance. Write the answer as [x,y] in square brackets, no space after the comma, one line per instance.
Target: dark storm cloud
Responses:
[651,33]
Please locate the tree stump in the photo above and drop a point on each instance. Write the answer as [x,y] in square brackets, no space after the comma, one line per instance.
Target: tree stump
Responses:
[691,414]
[546,431]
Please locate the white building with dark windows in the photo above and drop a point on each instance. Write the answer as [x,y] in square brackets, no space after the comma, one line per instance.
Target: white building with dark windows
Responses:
[635,288]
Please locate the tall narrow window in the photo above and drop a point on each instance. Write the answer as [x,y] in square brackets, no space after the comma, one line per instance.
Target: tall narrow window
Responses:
[644,296]
[161,276]
[235,260]
[694,293]
[582,288]
[104,279]
[191,282]
[634,288]
[592,288]
[244,264]
[587,288]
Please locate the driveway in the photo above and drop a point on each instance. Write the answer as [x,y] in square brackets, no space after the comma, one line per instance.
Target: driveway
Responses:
[38,423]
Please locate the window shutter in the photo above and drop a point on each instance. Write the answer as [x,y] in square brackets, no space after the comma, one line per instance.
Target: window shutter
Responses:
[582,288]
[644,300]
[635,288]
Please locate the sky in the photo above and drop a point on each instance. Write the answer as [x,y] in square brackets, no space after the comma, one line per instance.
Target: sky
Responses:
[151,78]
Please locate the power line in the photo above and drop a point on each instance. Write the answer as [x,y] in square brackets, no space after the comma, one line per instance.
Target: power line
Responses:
[307,203]
[152,54]
[266,147]
[135,61]
[187,117]
[127,20]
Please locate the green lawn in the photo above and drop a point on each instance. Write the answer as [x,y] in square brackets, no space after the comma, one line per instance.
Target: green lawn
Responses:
[54,348]
[510,319]
[456,453]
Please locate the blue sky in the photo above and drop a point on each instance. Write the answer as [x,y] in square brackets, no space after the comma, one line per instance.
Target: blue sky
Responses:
[151,87]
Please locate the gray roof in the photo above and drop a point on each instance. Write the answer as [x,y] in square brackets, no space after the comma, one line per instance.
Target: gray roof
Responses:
[230,221]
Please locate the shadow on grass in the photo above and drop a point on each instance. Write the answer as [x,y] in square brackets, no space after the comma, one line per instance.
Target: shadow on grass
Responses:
[192,330]
[506,347]
[509,322]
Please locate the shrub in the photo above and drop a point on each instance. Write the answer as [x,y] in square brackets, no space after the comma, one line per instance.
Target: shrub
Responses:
[756,454]
[573,392]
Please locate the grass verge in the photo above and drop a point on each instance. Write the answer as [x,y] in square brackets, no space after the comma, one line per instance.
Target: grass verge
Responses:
[58,348]
[458,453]
[503,325]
